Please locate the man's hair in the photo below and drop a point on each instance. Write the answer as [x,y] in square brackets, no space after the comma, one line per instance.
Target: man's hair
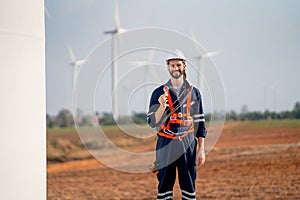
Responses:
[184,74]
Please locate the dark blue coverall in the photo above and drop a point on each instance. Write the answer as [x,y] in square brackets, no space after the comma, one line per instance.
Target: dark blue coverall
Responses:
[175,153]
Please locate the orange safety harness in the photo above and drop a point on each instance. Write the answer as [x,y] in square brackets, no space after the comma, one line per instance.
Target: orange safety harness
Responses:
[177,118]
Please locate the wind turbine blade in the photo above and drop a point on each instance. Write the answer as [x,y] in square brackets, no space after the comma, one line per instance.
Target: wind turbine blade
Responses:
[193,36]
[80,62]
[197,57]
[145,62]
[71,53]
[47,13]
[211,54]
[200,51]
[196,43]
[117,16]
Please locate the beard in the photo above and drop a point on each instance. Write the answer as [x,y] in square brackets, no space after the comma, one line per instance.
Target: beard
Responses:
[176,73]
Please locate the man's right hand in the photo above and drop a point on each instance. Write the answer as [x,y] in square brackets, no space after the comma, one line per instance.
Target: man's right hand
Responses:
[163,104]
[163,100]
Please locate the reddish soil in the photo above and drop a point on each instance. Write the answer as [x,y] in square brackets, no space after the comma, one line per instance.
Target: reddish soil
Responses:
[245,164]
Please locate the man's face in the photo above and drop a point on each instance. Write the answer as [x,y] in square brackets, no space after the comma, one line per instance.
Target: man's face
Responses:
[176,68]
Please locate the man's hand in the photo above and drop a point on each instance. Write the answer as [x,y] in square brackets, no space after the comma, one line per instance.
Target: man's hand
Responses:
[201,158]
[161,109]
[163,100]
[201,152]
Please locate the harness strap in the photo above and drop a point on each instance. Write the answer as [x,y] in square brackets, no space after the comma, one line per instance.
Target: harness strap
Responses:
[167,92]
[172,137]
[188,103]
[179,115]
[177,118]
[180,121]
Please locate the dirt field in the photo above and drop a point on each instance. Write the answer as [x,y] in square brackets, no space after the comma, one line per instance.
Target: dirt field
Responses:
[250,161]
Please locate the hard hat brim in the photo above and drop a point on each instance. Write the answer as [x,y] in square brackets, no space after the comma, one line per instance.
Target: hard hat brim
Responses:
[175,59]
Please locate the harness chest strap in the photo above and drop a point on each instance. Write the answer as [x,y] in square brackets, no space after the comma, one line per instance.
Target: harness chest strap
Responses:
[176,118]
[172,137]
[181,122]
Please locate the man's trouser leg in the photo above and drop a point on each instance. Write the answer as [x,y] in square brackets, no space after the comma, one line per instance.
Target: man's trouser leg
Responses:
[167,173]
[187,173]
[166,178]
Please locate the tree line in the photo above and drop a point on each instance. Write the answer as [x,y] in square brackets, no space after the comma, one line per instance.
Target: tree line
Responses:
[65,118]
[268,115]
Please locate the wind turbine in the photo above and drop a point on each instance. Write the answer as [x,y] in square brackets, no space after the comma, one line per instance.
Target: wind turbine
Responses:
[114,51]
[75,65]
[148,71]
[274,88]
[200,59]
[268,89]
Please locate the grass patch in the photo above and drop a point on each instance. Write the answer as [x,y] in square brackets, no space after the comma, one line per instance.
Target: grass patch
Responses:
[64,144]
[268,124]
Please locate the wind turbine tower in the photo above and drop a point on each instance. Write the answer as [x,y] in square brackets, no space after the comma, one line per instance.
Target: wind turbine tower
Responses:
[75,65]
[114,69]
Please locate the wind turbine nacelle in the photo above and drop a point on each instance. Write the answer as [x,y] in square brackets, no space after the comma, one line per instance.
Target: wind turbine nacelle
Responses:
[114,31]
[77,63]
[121,30]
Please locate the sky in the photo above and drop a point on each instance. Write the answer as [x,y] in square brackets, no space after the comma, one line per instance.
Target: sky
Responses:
[258,43]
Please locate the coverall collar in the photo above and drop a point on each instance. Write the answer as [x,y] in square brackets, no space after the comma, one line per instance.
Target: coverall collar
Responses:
[185,84]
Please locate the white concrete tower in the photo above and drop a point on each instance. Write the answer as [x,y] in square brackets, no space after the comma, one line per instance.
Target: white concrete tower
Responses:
[22,102]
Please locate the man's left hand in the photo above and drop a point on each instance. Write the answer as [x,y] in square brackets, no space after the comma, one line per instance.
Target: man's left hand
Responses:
[201,158]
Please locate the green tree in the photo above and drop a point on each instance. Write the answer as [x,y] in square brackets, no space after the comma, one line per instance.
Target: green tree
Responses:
[49,121]
[139,118]
[64,118]
[107,119]
[296,110]
[232,115]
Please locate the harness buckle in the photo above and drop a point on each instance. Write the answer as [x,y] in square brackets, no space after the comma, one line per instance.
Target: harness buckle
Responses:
[189,121]
[166,89]
[172,118]
[180,138]
[180,115]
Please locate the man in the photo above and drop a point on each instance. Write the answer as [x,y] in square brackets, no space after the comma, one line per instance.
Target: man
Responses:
[176,112]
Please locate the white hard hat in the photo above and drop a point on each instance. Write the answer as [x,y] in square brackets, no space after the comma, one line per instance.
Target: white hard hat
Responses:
[176,55]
